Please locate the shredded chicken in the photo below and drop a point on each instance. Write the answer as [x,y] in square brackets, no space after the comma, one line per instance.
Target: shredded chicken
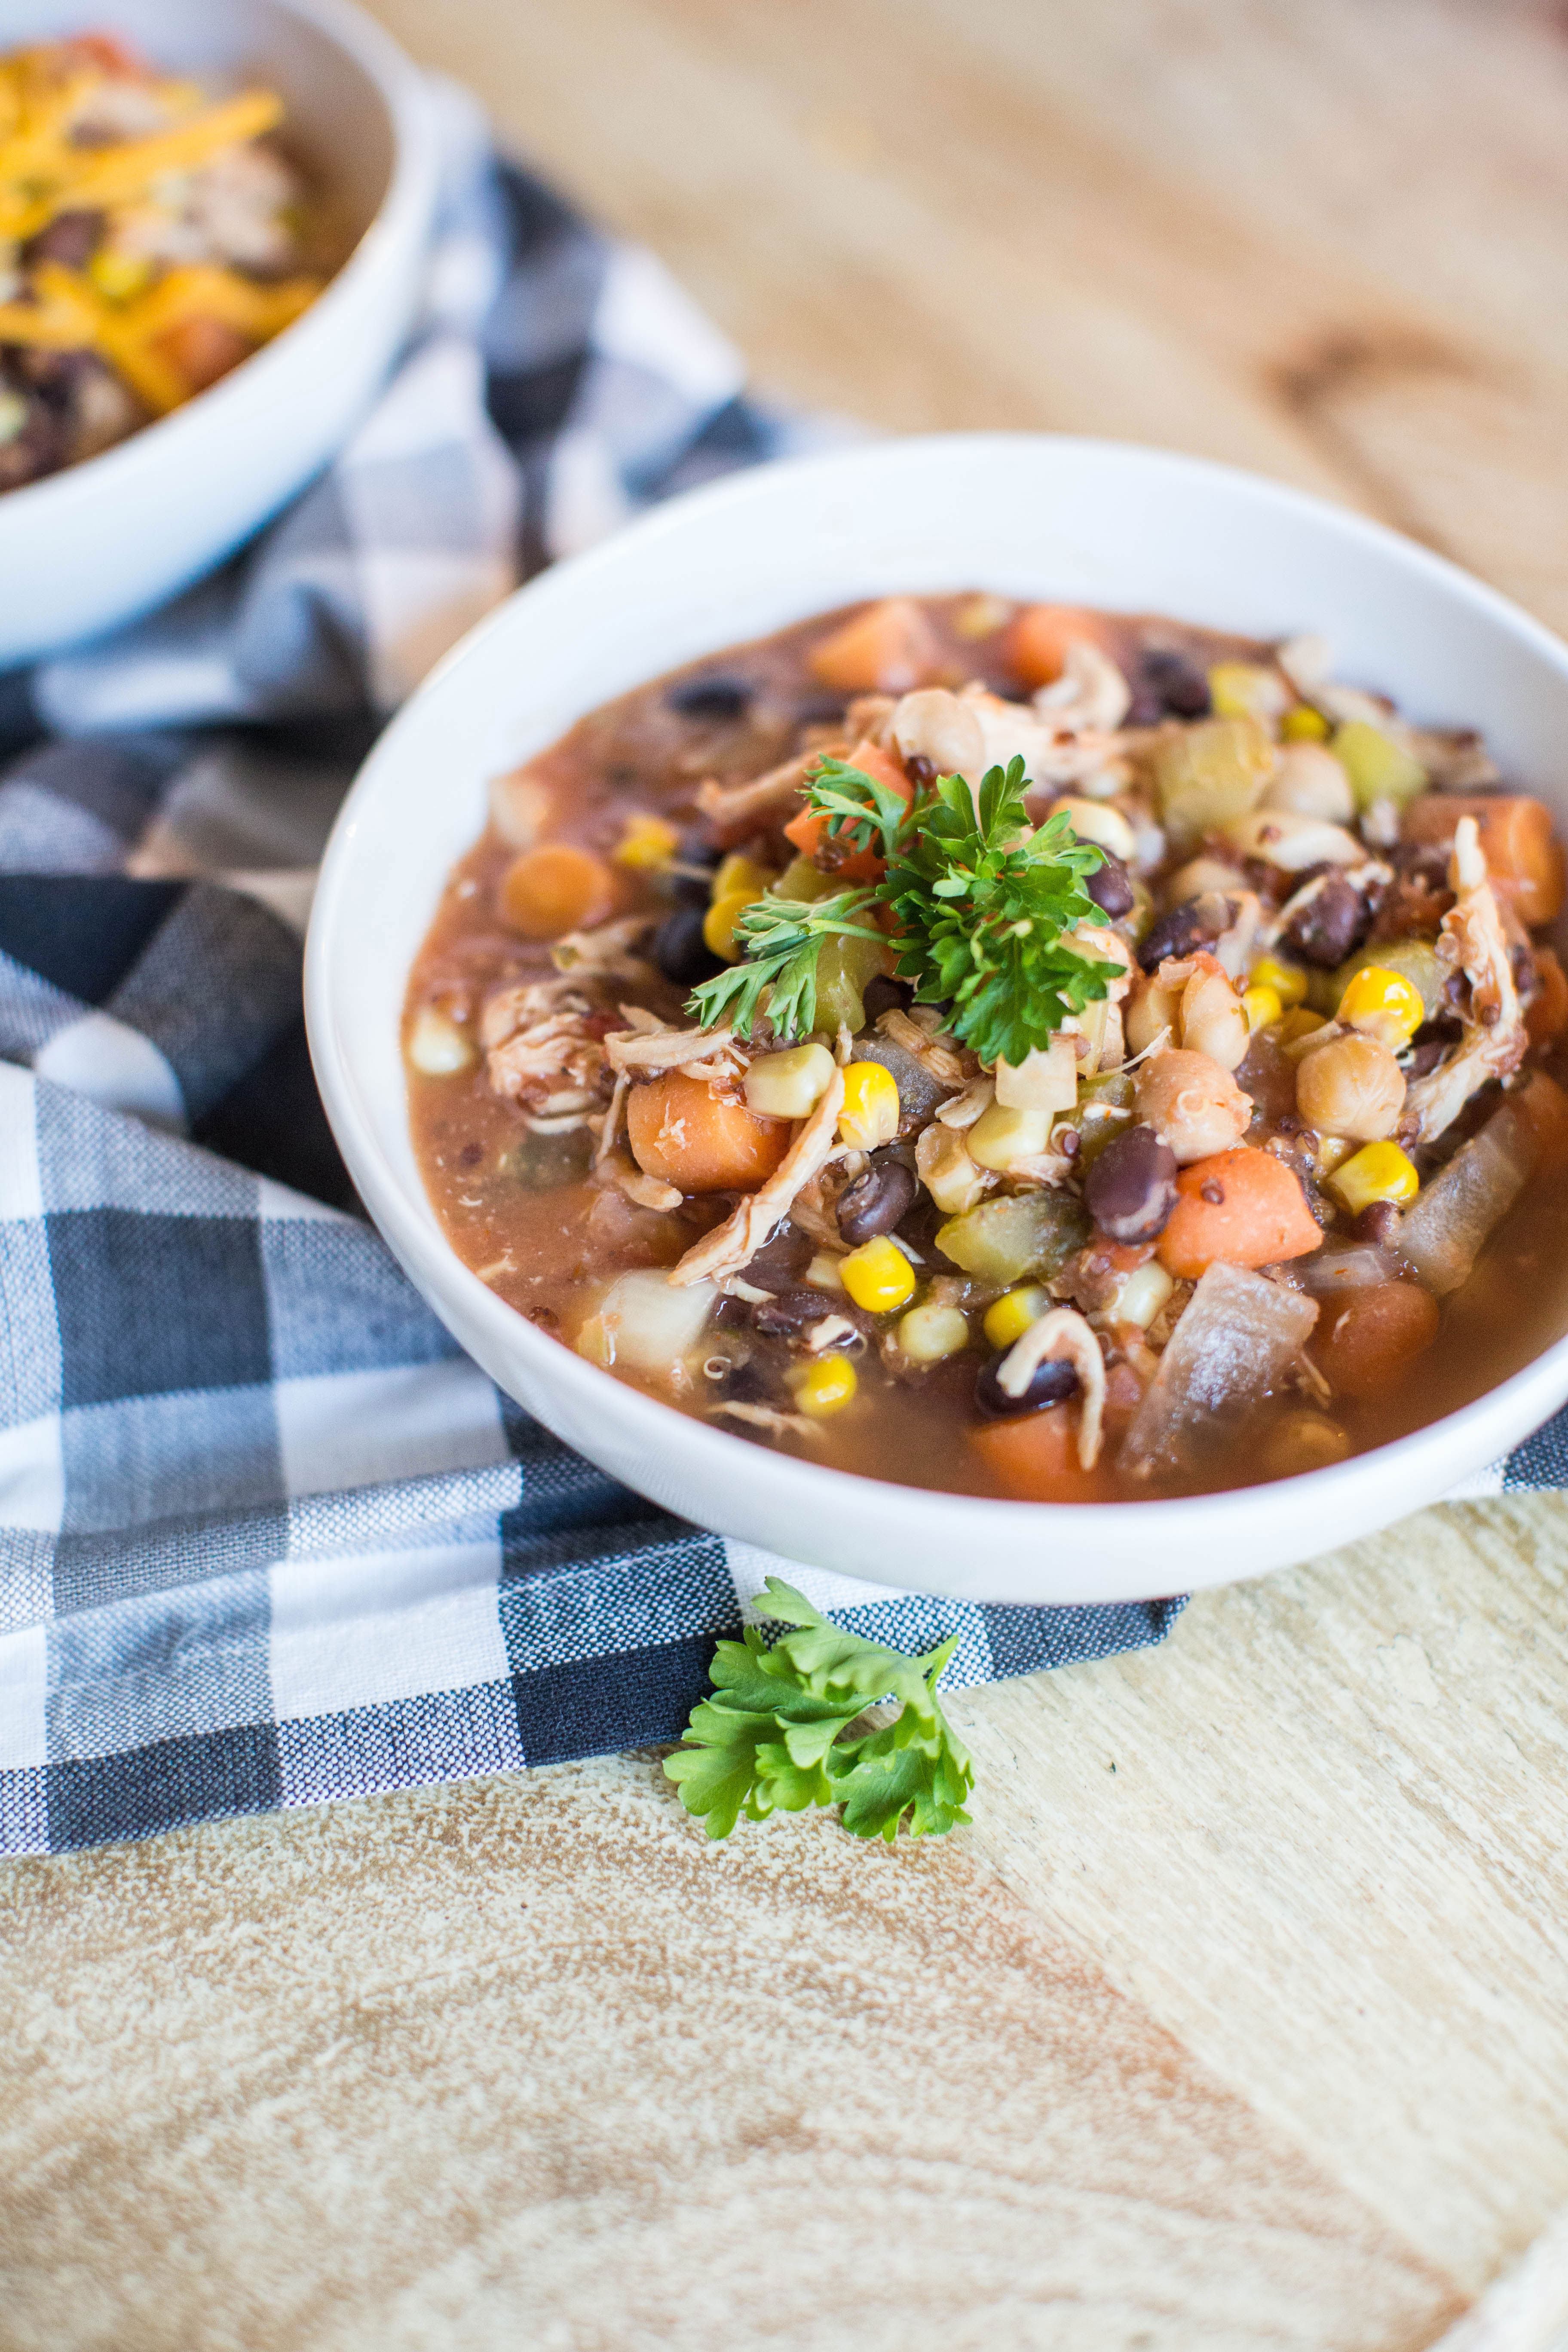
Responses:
[735,811]
[613,1122]
[648,1050]
[540,1051]
[777,1424]
[607,951]
[964,1110]
[1055,747]
[832,1331]
[1091,695]
[736,1242]
[1474,941]
[939,1061]
[1062,1336]
[647,1191]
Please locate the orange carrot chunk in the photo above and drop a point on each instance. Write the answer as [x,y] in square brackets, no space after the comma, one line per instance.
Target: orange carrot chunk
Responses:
[1544,1107]
[1038,639]
[685,1134]
[1242,1207]
[1546,1016]
[810,829]
[1362,1345]
[885,649]
[556,888]
[1035,1457]
[1524,858]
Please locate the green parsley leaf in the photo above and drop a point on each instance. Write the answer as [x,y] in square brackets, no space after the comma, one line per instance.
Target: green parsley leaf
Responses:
[781,938]
[774,1737]
[981,905]
[860,808]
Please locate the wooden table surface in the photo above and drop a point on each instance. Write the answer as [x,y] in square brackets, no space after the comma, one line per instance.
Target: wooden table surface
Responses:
[1240,2018]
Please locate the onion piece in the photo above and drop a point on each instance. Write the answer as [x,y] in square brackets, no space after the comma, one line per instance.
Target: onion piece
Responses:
[1236,1343]
[1443,1234]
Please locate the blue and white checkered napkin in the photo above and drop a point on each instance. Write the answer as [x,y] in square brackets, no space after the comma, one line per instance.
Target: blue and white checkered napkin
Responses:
[267,1537]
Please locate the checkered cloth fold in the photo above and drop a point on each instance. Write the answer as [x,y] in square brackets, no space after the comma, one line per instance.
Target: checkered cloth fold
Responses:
[266,1535]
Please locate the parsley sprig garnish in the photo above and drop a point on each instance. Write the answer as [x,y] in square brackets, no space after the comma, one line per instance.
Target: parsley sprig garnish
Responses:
[781,938]
[775,1735]
[982,905]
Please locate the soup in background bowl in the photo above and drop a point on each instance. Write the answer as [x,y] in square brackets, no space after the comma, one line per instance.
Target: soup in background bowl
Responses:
[1287,864]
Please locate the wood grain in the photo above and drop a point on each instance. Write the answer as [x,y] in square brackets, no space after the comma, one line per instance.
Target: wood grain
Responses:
[1240,2019]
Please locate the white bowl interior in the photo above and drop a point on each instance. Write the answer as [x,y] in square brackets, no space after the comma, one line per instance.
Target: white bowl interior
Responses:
[1082,522]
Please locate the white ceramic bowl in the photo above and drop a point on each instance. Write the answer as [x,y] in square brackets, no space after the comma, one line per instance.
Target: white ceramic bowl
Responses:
[87,549]
[1081,520]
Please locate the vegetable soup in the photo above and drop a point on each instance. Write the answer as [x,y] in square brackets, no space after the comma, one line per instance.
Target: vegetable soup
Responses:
[1012,1049]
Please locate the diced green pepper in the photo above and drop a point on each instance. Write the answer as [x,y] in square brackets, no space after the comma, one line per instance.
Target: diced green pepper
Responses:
[845,967]
[1018,1233]
[1379,768]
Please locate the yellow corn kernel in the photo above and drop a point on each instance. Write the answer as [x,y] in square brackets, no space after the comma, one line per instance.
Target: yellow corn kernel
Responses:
[789,1084]
[436,1046]
[1384,1004]
[1261,1006]
[1299,1022]
[119,276]
[1288,980]
[1304,725]
[646,843]
[877,1275]
[1008,1317]
[825,1385]
[929,1334]
[718,923]
[1379,1171]
[870,1112]
[736,874]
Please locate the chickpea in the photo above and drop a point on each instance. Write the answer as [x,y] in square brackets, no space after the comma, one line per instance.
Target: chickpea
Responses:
[1214,1021]
[1192,1104]
[1352,1087]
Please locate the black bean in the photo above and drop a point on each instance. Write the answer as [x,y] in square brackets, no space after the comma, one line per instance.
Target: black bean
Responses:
[1131,1190]
[1331,925]
[712,696]
[1052,1382]
[1426,1058]
[790,1314]
[679,950]
[920,772]
[1378,1224]
[1181,686]
[1110,888]
[71,240]
[876,1201]
[751,1382]
[781,1261]
[1176,934]
[881,995]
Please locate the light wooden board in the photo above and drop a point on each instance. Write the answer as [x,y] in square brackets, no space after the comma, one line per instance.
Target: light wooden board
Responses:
[1240,2018]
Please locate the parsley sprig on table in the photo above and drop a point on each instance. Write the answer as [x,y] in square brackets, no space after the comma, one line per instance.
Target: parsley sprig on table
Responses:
[781,938]
[775,1735]
[981,904]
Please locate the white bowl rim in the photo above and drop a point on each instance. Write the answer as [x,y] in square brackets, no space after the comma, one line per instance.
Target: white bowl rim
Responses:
[419,1243]
[405,203]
